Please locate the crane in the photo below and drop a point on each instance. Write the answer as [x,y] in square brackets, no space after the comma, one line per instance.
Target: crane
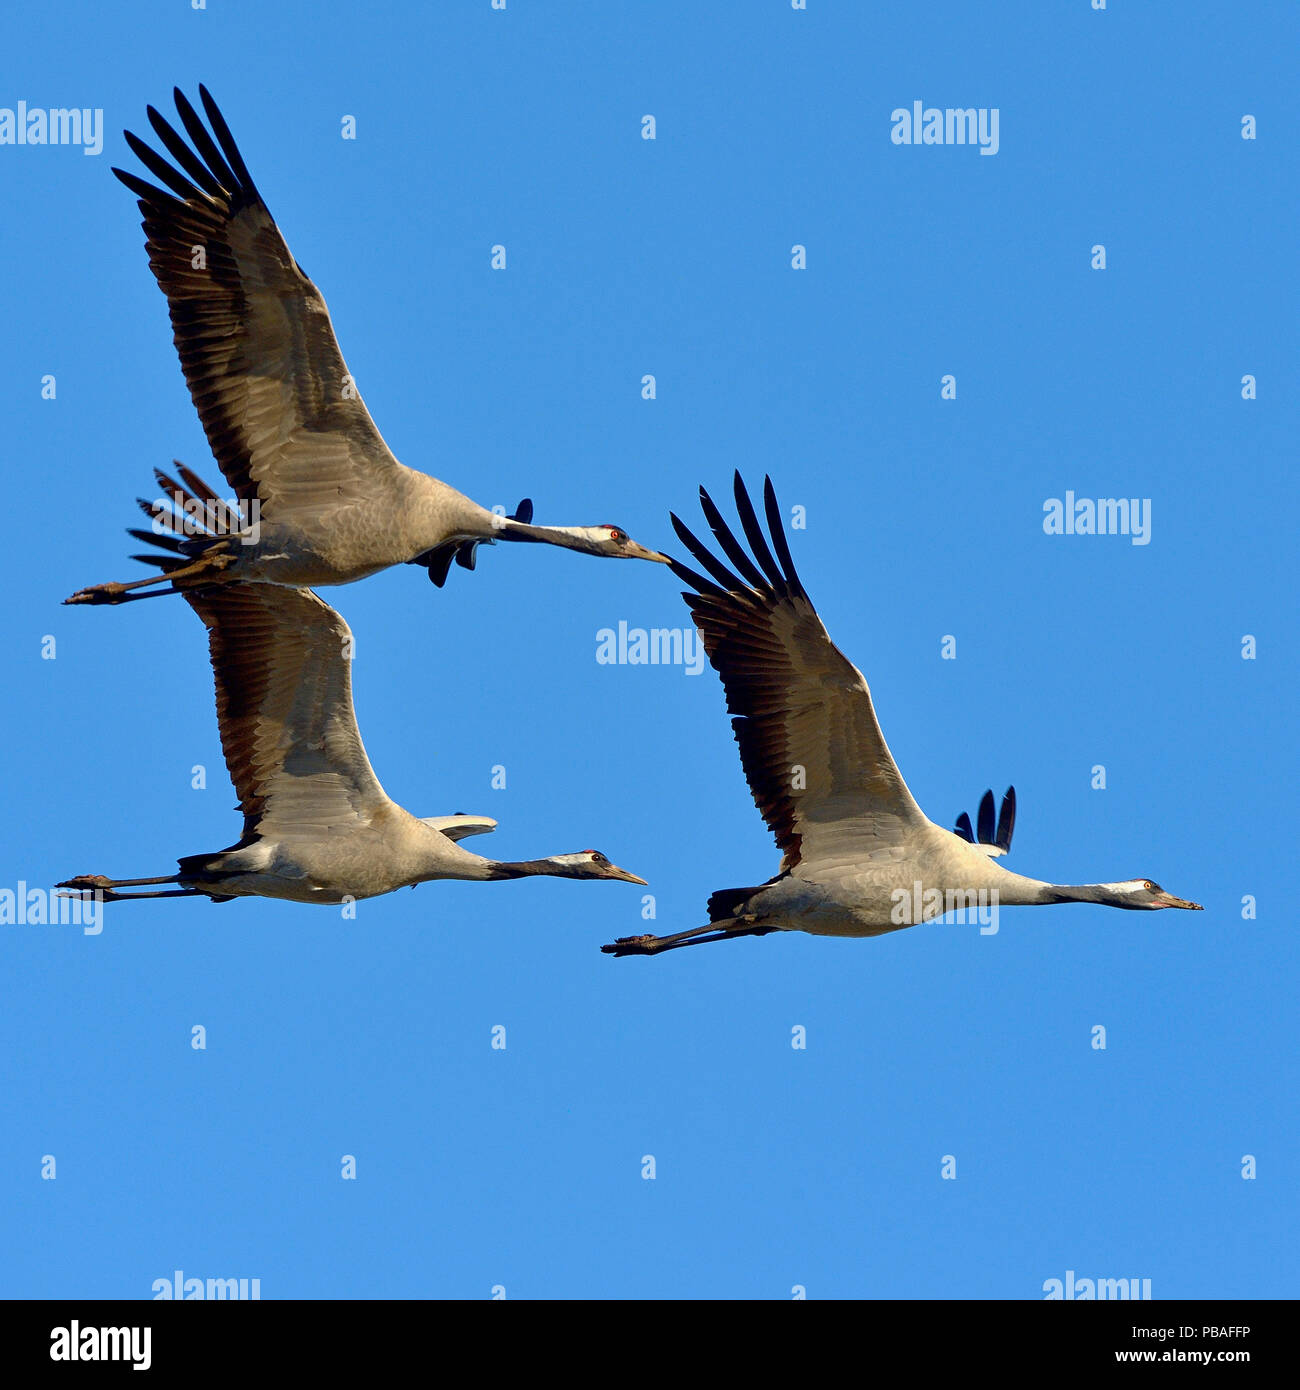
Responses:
[860,858]
[320,498]
[318,827]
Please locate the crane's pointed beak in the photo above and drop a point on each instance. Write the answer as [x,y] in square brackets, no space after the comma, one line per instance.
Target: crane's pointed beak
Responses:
[640,552]
[1168,900]
[623,876]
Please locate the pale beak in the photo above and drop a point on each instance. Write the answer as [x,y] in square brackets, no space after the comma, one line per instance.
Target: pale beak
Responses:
[1168,900]
[623,876]
[639,552]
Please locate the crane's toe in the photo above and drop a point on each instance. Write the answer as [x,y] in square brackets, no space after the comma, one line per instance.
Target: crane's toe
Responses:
[97,593]
[86,882]
[632,946]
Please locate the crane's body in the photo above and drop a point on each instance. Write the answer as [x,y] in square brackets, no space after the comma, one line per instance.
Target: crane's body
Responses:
[860,857]
[318,827]
[386,849]
[319,494]
[397,517]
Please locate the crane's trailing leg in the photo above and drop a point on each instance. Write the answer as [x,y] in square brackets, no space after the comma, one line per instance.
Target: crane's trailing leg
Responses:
[86,884]
[697,936]
[207,567]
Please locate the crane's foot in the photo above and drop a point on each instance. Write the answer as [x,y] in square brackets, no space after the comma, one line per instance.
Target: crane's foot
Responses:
[85,883]
[633,946]
[112,592]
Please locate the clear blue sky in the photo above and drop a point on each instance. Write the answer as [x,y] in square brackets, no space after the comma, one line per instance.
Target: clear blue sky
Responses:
[774,1167]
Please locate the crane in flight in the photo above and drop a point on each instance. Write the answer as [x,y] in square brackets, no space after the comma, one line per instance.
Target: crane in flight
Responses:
[860,858]
[320,498]
[318,827]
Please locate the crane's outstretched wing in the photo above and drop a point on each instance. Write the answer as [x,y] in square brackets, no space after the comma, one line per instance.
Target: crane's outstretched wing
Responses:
[255,340]
[460,826]
[816,761]
[282,659]
[994,842]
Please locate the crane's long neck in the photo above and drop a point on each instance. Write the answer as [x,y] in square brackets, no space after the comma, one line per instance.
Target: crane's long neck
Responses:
[435,514]
[527,868]
[569,537]
[1014,890]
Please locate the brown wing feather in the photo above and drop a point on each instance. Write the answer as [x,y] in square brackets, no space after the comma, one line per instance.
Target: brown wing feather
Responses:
[282,662]
[253,333]
[810,744]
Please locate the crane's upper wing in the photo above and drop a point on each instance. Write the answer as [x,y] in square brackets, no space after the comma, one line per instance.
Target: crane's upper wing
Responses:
[813,753]
[254,336]
[283,665]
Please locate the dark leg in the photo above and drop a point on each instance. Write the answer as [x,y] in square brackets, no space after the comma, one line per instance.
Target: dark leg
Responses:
[84,885]
[697,936]
[114,592]
[108,895]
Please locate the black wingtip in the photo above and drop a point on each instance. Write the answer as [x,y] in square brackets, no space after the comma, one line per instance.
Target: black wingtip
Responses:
[735,552]
[721,578]
[226,140]
[1007,820]
[776,525]
[683,531]
[963,828]
[754,535]
[696,581]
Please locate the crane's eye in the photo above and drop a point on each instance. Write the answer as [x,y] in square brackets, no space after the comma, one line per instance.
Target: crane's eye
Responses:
[616,535]
[1146,883]
[598,858]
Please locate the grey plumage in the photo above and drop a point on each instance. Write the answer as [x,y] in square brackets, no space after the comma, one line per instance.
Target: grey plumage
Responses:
[318,827]
[859,857]
[283,415]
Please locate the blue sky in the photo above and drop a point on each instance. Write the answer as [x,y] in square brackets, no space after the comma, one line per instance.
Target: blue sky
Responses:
[774,1167]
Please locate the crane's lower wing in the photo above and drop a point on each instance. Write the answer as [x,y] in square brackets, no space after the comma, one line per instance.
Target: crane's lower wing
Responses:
[281,411]
[816,761]
[282,660]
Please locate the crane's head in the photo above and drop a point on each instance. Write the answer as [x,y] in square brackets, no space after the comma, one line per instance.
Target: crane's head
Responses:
[590,864]
[1144,893]
[615,543]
